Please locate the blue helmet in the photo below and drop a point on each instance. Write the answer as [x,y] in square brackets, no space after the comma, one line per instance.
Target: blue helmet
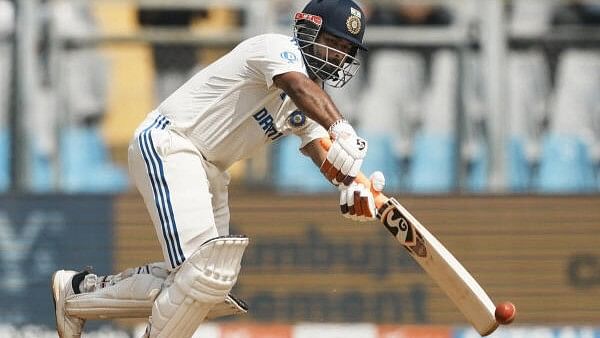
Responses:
[343,19]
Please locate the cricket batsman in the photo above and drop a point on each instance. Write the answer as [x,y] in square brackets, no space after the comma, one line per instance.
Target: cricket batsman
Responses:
[267,87]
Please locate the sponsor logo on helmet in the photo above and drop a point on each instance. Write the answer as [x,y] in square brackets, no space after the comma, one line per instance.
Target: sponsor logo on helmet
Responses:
[317,20]
[297,119]
[355,12]
[353,24]
[289,56]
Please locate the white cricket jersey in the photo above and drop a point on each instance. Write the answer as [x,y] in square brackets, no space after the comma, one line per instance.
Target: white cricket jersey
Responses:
[231,108]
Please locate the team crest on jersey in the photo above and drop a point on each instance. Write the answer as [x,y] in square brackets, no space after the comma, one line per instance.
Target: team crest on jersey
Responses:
[289,56]
[297,119]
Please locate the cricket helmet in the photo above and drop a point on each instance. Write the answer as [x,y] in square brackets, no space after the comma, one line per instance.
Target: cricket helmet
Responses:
[343,19]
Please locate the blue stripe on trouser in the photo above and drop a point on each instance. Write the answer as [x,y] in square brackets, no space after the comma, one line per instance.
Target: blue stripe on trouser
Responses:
[161,192]
[177,244]
[150,166]
[152,175]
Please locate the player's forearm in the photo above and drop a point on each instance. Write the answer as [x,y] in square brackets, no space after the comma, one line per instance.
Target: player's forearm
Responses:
[316,104]
[315,152]
[309,98]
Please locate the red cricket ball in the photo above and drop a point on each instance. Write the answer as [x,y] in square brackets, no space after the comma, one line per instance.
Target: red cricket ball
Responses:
[505,313]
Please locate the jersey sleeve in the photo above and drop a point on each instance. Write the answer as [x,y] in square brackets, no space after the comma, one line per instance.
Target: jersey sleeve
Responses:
[279,55]
[310,131]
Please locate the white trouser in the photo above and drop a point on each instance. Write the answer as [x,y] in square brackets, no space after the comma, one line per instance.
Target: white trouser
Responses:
[185,195]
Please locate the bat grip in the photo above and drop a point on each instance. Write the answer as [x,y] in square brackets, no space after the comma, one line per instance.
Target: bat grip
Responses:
[380,198]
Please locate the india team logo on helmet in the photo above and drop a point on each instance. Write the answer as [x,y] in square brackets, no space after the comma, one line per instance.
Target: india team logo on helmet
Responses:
[353,23]
[342,19]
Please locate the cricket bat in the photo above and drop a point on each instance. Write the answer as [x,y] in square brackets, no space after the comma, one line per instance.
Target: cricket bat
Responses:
[435,259]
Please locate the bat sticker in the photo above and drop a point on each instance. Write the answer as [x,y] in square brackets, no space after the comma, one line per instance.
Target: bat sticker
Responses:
[399,226]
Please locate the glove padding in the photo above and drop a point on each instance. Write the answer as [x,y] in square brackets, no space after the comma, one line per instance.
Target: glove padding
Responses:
[345,156]
[357,202]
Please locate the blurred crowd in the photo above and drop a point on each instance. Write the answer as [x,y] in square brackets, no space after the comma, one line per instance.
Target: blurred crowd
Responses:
[63,146]
[427,106]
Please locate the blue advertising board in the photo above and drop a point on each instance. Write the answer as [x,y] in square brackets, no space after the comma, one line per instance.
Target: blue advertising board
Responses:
[43,233]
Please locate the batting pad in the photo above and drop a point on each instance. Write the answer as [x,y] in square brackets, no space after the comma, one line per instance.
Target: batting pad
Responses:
[202,281]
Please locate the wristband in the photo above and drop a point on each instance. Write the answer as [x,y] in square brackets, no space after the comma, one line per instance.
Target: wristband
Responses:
[341,127]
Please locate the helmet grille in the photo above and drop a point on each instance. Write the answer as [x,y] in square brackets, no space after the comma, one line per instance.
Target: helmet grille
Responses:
[334,74]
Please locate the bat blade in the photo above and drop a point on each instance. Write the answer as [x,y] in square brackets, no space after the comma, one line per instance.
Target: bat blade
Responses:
[448,273]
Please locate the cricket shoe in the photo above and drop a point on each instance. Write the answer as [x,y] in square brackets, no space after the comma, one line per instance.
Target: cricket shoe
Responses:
[65,283]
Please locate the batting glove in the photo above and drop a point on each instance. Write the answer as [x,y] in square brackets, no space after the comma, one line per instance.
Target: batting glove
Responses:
[346,154]
[357,202]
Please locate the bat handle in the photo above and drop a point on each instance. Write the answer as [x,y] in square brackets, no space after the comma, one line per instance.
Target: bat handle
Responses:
[380,198]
